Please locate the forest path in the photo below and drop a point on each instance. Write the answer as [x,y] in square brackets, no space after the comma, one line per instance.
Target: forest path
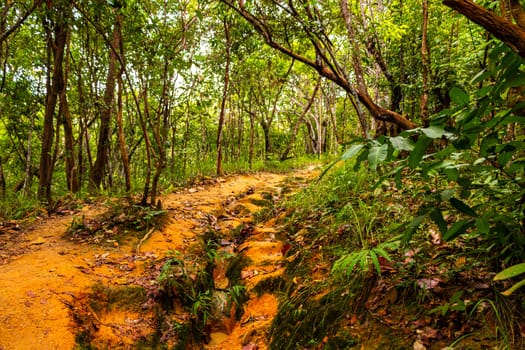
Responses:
[44,276]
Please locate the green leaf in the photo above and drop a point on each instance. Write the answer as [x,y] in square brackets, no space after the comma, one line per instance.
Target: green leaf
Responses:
[437,216]
[459,96]
[488,144]
[352,151]
[482,224]
[434,132]
[515,80]
[360,158]
[504,158]
[377,155]
[452,173]
[375,261]
[401,143]
[510,272]
[457,229]
[463,207]
[516,166]
[413,226]
[482,75]
[380,251]
[419,151]
[447,194]
[512,289]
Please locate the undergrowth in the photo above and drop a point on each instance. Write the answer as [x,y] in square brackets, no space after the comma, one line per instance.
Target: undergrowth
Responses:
[120,222]
[350,266]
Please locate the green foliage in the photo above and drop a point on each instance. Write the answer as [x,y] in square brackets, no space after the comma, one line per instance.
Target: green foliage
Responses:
[469,154]
[454,304]
[511,272]
[361,261]
[19,206]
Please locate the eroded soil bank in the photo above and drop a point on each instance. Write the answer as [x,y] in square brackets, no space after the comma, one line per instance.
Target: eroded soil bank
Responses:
[56,293]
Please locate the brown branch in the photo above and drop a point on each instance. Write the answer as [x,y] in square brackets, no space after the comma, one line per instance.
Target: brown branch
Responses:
[322,68]
[511,34]
[20,21]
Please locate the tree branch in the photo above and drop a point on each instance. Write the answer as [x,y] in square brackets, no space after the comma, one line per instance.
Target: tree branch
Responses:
[511,34]
[20,21]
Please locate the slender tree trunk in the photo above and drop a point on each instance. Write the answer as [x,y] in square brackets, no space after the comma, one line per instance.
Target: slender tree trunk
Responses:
[298,122]
[252,139]
[29,173]
[226,82]
[356,60]
[2,181]
[97,171]
[425,57]
[267,139]
[121,139]
[69,142]
[54,86]
[160,133]
[149,150]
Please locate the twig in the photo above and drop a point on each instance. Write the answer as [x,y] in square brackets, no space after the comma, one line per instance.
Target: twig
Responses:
[146,236]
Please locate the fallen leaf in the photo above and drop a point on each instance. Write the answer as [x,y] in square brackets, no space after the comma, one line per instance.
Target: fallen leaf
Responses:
[418,345]
[219,275]
[38,241]
[428,283]
[248,274]
[429,333]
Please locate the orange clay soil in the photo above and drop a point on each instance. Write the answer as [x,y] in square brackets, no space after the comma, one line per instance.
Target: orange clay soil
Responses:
[45,277]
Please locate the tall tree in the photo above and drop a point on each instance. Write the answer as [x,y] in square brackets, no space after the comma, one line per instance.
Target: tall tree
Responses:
[104,138]
[226,82]
[56,25]
[425,57]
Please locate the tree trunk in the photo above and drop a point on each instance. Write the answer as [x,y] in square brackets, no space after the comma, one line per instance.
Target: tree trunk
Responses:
[54,86]
[97,171]
[425,58]
[69,143]
[121,139]
[29,174]
[300,119]
[149,150]
[2,181]
[511,34]
[226,81]
[252,138]
[160,133]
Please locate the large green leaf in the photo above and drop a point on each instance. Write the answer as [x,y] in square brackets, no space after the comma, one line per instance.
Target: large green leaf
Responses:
[510,272]
[459,96]
[413,226]
[419,151]
[457,229]
[352,151]
[376,155]
[402,143]
[437,216]
[435,132]
[463,207]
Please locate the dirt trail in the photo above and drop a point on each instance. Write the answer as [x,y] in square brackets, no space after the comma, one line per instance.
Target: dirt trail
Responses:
[44,275]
